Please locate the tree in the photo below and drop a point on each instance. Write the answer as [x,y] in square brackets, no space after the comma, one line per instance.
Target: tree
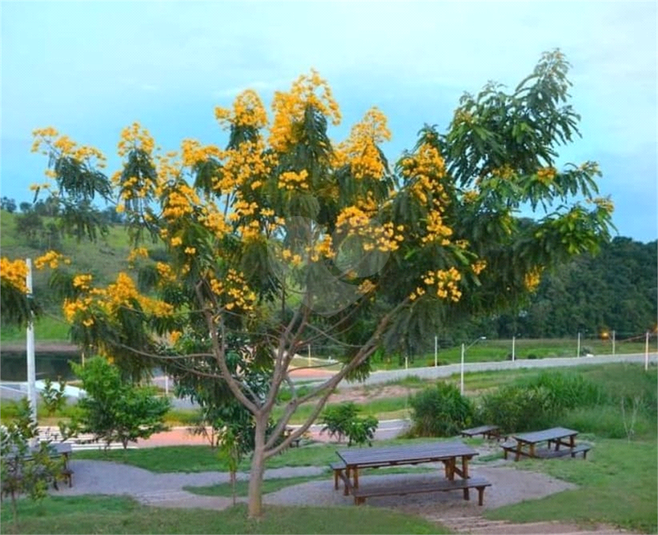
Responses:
[115,410]
[285,238]
[343,421]
[26,470]
[8,204]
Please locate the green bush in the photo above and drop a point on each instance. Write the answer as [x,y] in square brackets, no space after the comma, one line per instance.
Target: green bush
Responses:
[568,390]
[343,421]
[439,411]
[115,410]
[518,408]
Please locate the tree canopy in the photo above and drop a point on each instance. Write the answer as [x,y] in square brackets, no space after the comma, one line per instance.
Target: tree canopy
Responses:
[285,237]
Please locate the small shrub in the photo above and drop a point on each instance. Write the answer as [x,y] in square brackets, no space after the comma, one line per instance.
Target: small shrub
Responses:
[114,410]
[518,408]
[531,356]
[440,411]
[343,421]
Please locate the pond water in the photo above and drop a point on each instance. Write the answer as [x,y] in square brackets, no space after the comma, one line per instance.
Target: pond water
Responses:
[49,365]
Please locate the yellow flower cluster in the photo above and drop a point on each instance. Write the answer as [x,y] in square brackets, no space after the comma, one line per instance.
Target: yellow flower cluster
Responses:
[604,203]
[426,167]
[462,117]
[506,172]
[179,202]
[244,166]
[82,281]
[479,266]
[546,175]
[123,293]
[214,221]
[72,307]
[445,283]
[165,272]
[48,140]
[533,278]
[174,336]
[324,248]
[366,287]
[436,230]
[248,110]
[470,196]
[360,149]
[291,257]
[243,208]
[250,231]
[355,222]
[292,181]
[234,291]
[51,259]
[14,273]
[137,253]
[289,108]
[192,152]
[135,137]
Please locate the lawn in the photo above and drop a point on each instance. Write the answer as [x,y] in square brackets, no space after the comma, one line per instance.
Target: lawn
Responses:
[617,485]
[102,514]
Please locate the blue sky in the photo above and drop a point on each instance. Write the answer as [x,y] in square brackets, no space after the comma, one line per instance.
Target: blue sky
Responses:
[90,68]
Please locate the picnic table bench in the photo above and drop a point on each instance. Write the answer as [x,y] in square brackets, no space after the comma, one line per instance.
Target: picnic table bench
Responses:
[560,443]
[487,431]
[409,486]
[453,455]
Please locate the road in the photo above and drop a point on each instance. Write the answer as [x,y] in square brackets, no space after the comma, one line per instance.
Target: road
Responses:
[469,367]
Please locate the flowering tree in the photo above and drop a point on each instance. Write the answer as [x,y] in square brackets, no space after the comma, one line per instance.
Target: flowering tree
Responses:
[285,237]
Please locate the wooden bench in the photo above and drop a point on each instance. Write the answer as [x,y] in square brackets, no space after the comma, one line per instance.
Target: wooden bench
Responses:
[547,453]
[295,442]
[339,469]
[487,431]
[508,447]
[401,488]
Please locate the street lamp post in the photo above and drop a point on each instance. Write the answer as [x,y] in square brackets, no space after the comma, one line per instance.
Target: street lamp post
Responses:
[461,374]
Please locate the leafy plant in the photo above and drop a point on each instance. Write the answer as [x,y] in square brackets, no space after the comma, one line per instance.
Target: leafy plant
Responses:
[25,470]
[342,421]
[117,410]
[53,398]
[440,410]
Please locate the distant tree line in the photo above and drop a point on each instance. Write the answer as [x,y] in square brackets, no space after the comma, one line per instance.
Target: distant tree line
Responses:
[614,290]
[42,233]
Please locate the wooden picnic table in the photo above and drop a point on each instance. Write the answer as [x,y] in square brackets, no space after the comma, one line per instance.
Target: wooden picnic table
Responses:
[453,455]
[526,443]
[487,431]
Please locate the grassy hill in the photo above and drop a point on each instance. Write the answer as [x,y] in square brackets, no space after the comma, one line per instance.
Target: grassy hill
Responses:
[102,259]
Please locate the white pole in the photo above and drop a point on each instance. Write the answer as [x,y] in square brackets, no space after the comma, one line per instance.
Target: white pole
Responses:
[646,352]
[613,343]
[31,368]
[309,354]
[436,351]
[406,362]
[166,385]
[513,348]
[461,372]
[578,354]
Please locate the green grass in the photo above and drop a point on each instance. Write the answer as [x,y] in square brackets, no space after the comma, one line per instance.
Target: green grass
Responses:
[273,485]
[46,328]
[194,459]
[101,514]
[617,485]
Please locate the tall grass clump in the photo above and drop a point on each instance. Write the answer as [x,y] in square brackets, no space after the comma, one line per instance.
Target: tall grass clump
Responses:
[568,390]
[439,411]
[538,402]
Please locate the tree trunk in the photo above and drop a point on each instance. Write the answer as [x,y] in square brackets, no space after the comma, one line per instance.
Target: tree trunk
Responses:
[257,469]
